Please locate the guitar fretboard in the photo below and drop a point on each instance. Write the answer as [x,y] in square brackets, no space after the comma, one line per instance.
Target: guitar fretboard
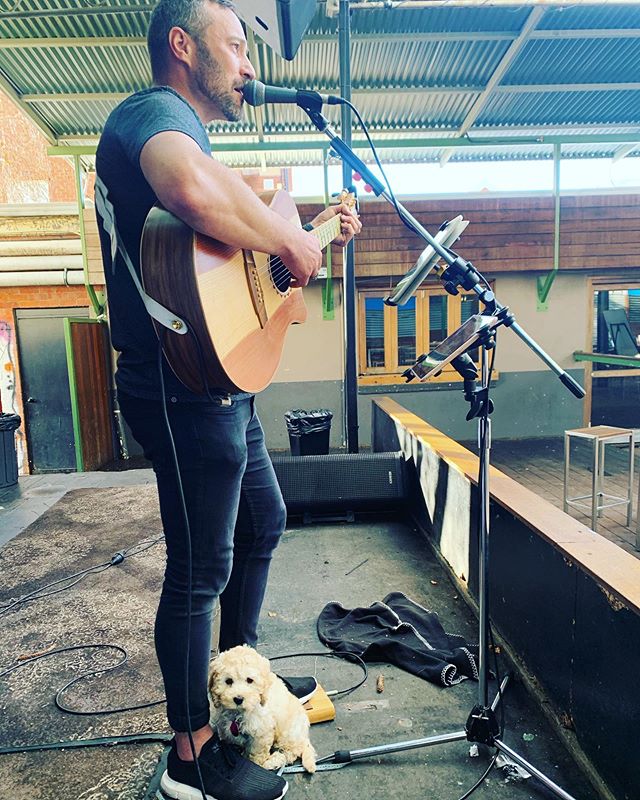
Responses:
[328,231]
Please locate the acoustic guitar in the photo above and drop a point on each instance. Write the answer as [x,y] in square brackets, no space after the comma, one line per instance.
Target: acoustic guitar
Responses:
[238,303]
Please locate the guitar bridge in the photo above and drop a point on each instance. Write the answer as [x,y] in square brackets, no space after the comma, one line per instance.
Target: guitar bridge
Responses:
[255,288]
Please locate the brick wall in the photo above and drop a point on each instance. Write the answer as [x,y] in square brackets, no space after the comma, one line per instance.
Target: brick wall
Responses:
[27,173]
[11,298]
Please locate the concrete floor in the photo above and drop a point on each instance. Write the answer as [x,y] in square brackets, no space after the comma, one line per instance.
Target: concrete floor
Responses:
[355,564]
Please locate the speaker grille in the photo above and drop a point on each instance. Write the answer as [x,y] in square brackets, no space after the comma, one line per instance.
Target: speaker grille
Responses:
[341,481]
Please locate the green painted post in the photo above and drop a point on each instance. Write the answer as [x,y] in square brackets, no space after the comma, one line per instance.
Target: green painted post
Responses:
[328,310]
[544,284]
[73,392]
[98,307]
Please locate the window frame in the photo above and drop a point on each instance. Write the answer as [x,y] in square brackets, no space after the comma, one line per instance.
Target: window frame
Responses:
[391,371]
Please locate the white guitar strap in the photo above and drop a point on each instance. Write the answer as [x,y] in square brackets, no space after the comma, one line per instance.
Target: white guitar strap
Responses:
[157,311]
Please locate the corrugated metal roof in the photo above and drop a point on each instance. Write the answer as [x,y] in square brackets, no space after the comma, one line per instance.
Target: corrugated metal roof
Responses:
[577,61]
[416,73]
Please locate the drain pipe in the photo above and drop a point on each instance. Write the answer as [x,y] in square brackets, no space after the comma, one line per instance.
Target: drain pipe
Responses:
[53,277]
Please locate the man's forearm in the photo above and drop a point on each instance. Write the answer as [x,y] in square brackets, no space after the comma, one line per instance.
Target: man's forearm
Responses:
[219,204]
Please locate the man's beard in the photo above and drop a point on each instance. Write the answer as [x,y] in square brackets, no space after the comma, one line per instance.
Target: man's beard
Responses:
[210,79]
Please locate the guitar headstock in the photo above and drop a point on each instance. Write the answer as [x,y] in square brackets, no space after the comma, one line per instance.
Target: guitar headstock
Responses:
[348,198]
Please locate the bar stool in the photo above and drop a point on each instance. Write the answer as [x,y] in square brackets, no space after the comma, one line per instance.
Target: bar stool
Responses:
[599,436]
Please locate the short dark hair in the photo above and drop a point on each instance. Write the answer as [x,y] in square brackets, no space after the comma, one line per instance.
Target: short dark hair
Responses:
[186,14]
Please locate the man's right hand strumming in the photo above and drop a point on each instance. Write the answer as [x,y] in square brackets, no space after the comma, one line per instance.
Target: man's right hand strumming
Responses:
[302,256]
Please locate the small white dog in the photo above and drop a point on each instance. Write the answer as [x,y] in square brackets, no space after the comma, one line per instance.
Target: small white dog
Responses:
[253,709]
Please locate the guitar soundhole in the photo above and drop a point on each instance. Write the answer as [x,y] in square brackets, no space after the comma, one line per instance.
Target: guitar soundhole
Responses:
[280,275]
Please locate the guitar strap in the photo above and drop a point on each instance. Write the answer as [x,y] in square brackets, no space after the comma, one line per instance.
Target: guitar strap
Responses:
[157,311]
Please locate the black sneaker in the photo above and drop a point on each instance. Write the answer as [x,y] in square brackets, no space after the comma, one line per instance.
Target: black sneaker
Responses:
[226,775]
[302,688]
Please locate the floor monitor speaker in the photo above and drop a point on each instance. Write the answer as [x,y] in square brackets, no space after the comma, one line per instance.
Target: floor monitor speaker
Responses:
[341,482]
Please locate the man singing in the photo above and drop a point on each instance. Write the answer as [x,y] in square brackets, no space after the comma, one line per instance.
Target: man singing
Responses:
[154,148]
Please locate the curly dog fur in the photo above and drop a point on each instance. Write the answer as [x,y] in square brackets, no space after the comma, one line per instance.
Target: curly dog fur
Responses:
[253,709]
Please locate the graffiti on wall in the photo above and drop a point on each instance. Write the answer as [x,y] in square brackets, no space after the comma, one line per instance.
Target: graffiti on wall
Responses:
[8,383]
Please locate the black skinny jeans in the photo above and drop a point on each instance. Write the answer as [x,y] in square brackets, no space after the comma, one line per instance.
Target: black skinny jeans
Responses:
[236,517]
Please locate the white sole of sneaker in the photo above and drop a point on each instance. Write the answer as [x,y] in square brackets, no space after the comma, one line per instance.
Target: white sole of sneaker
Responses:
[181,791]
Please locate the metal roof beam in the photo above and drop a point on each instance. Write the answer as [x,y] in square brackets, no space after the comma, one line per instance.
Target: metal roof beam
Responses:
[587,33]
[74,97]
[68,41]
[395,138]
[503,65]
[147,8]
[414,4]
[540,129]
[420,37]
[80,11]
[564,87]
[623,152]
[415,142]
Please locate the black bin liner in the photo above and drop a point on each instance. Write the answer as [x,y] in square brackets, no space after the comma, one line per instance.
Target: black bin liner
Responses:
[309,431]
[8,455]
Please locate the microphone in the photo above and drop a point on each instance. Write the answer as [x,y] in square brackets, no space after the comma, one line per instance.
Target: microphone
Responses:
[257,94]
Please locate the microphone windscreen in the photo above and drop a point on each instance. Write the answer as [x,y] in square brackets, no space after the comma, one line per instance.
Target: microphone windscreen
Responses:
[253,93]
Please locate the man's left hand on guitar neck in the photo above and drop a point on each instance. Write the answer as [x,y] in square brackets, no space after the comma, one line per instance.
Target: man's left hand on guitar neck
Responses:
[349,223]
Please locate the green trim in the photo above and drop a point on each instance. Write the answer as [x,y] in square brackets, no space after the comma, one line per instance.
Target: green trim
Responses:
[98,308]
[544,284]
[328,310]
[611,359]
[420,142]
[73,391]
[73,386]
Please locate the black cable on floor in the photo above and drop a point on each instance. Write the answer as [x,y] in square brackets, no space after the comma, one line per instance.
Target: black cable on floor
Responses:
[71,744]
[482,778]
[116,558]
[92,646]
[342,656]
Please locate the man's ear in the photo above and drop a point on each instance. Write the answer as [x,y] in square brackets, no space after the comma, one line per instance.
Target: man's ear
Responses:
[181,45]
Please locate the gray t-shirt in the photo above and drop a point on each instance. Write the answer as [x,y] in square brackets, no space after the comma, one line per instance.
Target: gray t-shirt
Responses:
[128,128]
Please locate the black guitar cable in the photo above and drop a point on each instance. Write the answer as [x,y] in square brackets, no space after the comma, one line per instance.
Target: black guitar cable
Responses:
[187,659]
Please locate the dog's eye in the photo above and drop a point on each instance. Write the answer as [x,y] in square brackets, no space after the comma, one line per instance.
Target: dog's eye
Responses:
[249,680]
[229,681]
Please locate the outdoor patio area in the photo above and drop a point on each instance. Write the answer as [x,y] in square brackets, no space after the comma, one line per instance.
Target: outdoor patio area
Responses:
[538,464]
[93,515]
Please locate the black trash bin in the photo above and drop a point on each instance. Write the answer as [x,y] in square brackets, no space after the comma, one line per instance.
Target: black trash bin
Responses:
[8,456]
[309,431]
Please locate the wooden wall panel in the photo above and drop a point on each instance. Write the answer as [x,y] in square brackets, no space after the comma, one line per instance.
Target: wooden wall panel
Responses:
[505,234]
[90,355]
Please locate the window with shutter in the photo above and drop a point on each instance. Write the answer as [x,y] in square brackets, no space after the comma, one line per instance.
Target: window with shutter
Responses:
[392,338]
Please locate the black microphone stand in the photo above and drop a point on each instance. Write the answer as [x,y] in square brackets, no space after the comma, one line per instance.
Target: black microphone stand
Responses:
[460,272]
[482,725]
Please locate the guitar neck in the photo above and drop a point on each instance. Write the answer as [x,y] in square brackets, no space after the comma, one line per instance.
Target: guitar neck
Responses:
[328,231]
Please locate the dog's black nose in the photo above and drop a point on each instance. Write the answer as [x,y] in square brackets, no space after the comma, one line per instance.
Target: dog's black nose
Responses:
[237,701]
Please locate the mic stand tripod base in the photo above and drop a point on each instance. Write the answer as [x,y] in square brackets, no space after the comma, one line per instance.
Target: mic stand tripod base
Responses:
[481,727]
[558,790]
[344,757]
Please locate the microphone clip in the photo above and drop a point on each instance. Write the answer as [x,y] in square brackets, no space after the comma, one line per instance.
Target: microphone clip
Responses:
[309,101]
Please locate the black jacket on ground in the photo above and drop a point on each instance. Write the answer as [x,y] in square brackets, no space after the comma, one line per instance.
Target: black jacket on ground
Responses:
[400,631]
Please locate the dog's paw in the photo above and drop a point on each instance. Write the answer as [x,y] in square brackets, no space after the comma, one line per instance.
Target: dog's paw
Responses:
[275,761]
